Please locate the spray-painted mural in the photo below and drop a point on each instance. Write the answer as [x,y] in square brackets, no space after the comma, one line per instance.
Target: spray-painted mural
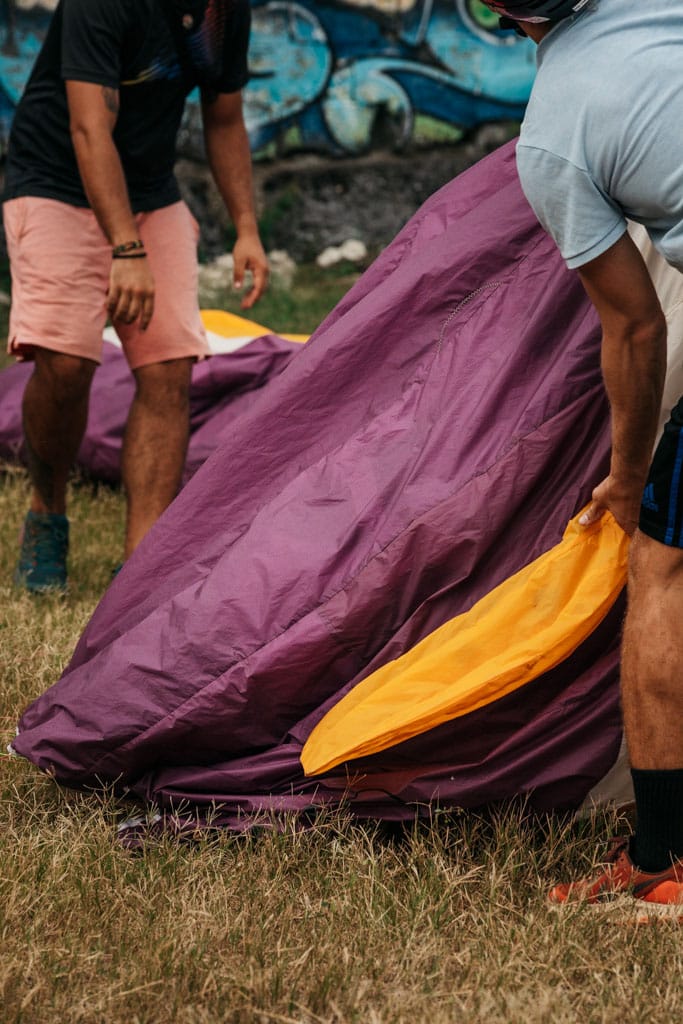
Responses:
[342,76]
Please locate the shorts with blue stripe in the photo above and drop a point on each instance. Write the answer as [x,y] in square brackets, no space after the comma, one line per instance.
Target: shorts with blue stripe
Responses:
[661,510]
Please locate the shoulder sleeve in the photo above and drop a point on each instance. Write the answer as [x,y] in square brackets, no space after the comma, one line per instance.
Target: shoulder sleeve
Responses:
[582,219]
[92,41]
[235,46]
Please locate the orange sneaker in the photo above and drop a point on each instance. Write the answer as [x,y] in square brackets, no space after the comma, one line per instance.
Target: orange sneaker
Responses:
[620,875]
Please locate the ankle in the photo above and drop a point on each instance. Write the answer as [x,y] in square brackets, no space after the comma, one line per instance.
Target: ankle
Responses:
[659,827]
[41,508]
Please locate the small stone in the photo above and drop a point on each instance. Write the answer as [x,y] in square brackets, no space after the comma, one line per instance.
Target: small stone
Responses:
[224,262]
[282,267]
[353,250]
[211,276]
[328,257]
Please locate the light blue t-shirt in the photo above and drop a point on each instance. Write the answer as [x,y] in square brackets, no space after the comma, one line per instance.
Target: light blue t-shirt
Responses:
[602,139]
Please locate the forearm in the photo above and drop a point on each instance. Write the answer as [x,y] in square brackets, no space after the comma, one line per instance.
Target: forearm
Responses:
[104,182]
[634,369]
[93,110]
[229,157]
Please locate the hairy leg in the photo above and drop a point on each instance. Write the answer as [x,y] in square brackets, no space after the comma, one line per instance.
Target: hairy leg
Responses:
[652,657]
[155,444]
[55,414]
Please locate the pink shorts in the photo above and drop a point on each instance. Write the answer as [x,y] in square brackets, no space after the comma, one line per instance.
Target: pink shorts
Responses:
[60,262]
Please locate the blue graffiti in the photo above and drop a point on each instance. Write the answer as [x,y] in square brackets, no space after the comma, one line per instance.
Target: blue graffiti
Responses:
[341,76]
[349,77]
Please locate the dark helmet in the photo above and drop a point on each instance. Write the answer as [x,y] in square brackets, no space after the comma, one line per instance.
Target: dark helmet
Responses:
[536,10]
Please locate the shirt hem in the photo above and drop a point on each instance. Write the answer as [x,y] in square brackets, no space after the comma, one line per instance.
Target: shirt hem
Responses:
[574,262]
[72,74]
[141,205]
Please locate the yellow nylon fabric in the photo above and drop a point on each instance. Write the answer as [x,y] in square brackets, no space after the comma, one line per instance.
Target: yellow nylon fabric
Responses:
[230,325]
[525,626]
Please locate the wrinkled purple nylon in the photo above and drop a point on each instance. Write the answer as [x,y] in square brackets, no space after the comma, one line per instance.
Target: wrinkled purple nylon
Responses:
[437,433]
[222,388]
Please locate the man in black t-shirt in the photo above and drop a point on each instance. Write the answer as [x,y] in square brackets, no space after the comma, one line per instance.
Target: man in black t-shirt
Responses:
[95,225]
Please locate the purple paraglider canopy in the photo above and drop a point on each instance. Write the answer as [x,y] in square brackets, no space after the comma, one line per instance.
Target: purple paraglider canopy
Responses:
[434,436]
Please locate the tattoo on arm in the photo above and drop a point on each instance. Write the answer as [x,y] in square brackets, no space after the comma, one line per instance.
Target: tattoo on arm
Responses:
[111,99]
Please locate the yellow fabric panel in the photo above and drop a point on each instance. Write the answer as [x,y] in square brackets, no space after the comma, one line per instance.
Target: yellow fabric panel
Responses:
[525,626]
[230,325]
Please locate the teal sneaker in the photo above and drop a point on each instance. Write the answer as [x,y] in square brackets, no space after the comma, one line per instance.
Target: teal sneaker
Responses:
[42,558]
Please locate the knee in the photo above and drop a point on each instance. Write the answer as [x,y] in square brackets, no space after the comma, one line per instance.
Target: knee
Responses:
[165,385]
[68,378]
[653,565]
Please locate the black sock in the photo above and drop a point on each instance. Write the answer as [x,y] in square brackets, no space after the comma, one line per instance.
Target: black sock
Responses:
[659,825]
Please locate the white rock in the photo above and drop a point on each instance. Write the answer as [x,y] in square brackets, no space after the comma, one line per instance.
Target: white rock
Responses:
[328,257]
[211,276]
[224,262]
[281,260]
[282,267]
[353,250]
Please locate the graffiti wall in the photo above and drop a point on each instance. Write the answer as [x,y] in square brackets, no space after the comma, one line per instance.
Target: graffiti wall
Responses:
[342,76]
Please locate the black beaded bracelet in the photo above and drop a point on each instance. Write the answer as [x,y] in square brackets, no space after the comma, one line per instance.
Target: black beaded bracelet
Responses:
[129,255]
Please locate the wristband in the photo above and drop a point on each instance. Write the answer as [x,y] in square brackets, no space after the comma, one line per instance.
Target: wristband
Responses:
[126,247]
[129,255]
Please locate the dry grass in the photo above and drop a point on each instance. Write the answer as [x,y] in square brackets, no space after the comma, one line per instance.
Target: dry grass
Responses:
[339,923]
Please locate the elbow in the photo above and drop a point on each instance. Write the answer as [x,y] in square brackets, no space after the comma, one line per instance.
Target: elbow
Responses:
[81,135]
[653,332]
[639,344]
[646,332]
[85,136]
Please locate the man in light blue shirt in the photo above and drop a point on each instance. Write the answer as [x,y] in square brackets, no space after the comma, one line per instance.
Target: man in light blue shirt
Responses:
[602,142]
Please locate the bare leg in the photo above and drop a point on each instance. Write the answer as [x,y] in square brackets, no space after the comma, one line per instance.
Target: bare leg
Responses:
[155,444]
[652,698]
[55,414]
[652,657]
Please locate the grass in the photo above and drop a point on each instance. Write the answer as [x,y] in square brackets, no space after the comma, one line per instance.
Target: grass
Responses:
[339,923]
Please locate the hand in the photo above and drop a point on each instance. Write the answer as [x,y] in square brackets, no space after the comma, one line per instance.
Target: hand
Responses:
[131,292]
[248,254]
[623,501]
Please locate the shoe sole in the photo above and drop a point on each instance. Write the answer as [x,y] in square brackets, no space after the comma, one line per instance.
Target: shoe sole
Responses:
[624,910]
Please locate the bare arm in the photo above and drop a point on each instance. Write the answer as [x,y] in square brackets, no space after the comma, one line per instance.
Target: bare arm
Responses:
[93,110]
[227,150]
[634,368]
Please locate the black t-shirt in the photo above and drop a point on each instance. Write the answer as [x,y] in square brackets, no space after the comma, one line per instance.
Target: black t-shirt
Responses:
[126,45]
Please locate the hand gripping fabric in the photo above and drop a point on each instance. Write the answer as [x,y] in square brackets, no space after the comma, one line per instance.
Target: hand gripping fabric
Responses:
[521,629]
